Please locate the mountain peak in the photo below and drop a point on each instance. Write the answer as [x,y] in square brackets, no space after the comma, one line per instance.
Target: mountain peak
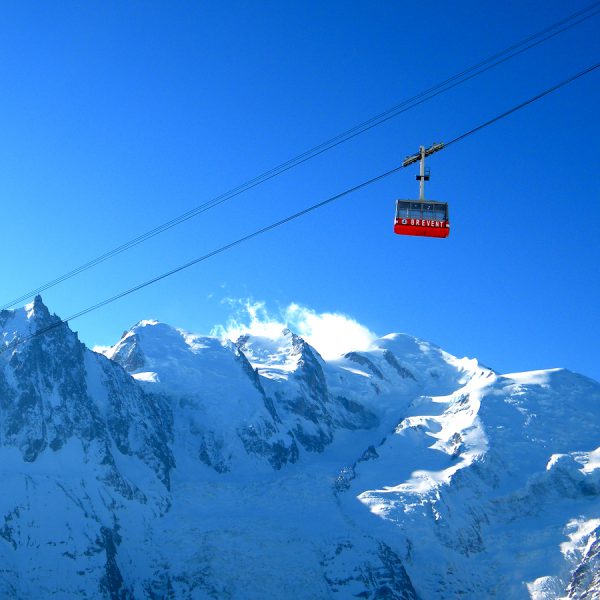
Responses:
[38,307]
[36,311]
[19,323]
[277,357]
[474,479]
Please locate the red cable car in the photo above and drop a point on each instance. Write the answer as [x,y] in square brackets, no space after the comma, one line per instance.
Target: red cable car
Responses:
[422,217]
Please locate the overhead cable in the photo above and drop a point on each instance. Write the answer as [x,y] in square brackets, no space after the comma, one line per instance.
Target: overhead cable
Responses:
[292,217]
[406,105]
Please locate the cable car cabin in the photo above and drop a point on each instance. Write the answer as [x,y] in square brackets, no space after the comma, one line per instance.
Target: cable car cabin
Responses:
[422,217]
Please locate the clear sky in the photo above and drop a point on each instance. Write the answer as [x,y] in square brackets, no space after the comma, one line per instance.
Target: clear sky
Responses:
[117,116]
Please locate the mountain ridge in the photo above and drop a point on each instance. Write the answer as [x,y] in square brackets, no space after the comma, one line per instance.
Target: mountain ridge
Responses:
[398,471]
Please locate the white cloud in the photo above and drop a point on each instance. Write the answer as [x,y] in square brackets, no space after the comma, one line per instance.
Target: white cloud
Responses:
[332,334]
[101,349]
[249,317]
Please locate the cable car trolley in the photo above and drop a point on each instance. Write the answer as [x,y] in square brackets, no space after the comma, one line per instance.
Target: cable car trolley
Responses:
[422,217]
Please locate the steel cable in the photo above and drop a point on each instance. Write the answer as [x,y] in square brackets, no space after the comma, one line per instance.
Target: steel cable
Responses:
[291,217]
[424,96]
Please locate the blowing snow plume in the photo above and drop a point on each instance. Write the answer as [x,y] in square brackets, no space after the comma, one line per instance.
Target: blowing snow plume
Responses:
[332,334]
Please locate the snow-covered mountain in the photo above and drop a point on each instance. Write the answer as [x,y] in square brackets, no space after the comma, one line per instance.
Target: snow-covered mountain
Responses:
[221,414]
[185,466]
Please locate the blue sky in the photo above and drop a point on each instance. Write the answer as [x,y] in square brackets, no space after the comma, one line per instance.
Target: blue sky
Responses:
[118,116]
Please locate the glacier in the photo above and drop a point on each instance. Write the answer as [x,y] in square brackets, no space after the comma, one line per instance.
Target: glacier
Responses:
[176,465]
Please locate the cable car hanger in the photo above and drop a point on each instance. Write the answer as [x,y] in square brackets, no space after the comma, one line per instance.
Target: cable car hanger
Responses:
[426,218]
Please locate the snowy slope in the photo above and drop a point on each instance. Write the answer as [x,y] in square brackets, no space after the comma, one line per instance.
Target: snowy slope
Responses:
[220,410]
[493,478]
[184,466]
[294,377]
[84,458]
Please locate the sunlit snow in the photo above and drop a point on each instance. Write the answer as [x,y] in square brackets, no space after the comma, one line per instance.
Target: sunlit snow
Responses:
[332,334]
[251,463]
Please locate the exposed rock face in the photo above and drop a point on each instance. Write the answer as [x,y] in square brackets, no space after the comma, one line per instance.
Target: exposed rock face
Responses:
[294,379]
[53,390]
[219,406]
[584,583]
[80,441]
[190,467]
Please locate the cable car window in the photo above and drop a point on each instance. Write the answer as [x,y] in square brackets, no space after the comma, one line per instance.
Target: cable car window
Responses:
[402,209]
[408,209]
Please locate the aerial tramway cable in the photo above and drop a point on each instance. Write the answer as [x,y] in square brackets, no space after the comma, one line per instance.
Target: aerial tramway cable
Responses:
[295,215]
[453,81]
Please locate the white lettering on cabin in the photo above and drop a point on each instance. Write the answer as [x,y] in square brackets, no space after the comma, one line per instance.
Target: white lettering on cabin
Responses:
[425,223]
